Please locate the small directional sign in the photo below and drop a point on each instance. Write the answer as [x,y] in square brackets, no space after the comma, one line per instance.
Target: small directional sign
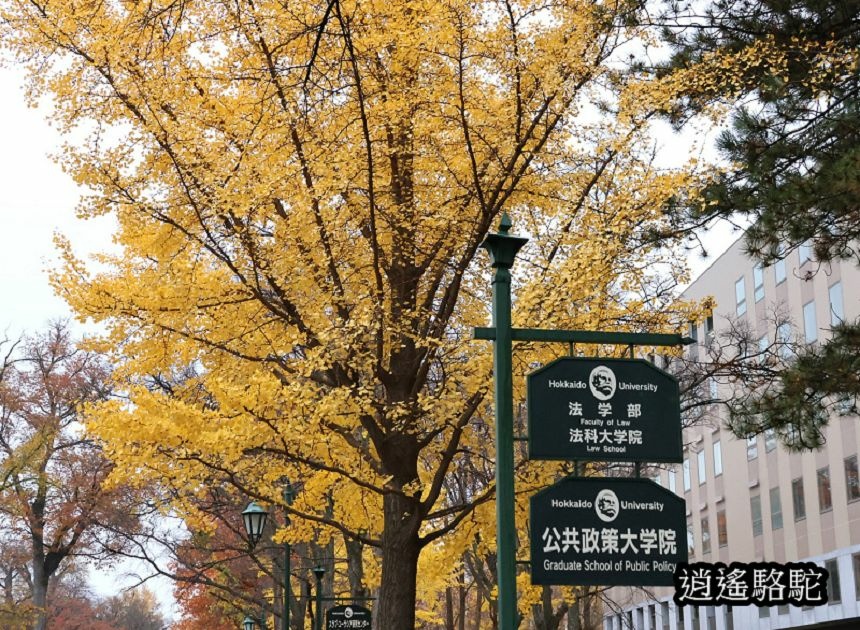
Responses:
[603,409]
[604,531]
[348,618]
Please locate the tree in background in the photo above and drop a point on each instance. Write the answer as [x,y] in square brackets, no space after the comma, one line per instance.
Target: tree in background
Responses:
[789,70]
[135,609]
[54,507]
[301,191]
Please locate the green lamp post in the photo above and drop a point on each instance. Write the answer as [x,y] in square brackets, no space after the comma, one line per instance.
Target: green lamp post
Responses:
[503,248]
[319,571]
[289,497]
[254,517]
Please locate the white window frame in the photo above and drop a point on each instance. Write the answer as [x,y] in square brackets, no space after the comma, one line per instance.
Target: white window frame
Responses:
[752,447]
[804,251]
[740,296]
[718,459]
[837,306]
[779,273]
[758,282]
[686,472]
[810,324]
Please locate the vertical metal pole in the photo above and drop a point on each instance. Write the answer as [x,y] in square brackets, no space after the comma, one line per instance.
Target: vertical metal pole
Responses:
[286,615]
[503,248]
[319,571]
[289,495]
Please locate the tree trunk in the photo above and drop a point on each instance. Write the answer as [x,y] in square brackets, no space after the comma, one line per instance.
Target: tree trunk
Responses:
[355,569]
[400,549]
[573,619]
[476,622]
[461,620]
[449,609]
[40,592]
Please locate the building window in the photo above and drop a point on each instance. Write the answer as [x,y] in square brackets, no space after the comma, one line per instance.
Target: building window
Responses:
[763,343]
[837,310]
[810,327]
[769,440]
[798,499]
[775,509]
[712,388]
[782,610]
[855,561]
[691,541]
[693,333]
[686,469]
[758,282]
[755,509]
[672,479]
[852,479]
[779,270]
[700,468]
[763,612]
[709,329]
[752,447]
[834,596]
[706,536]
[805,251]
[718,459]
[783,338]
[825,500]
[664,615]
[740,296]
[722,529]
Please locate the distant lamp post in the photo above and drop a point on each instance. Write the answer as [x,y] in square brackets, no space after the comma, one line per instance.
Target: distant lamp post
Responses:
[254,518]
[319,571]
[249,623]
[289,497]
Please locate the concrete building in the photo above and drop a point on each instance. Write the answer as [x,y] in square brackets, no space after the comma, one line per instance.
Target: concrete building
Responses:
[752,500]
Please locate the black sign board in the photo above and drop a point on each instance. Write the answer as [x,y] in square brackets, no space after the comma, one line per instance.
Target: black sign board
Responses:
[347,617]
[604,409]
[609,532]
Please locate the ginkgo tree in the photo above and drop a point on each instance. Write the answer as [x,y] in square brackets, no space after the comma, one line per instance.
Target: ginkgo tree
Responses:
[300,193]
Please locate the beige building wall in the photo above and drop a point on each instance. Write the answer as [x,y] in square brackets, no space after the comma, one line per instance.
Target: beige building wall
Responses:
[726,474]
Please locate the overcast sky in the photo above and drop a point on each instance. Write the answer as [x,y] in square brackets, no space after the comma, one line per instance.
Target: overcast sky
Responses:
[36,200]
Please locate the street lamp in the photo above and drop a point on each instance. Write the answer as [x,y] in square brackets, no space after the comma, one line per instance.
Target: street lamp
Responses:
[319,571]
[254,518]
[248,623]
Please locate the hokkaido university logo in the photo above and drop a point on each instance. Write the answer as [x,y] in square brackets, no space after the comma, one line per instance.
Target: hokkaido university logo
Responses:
[602,382]
[606,505]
